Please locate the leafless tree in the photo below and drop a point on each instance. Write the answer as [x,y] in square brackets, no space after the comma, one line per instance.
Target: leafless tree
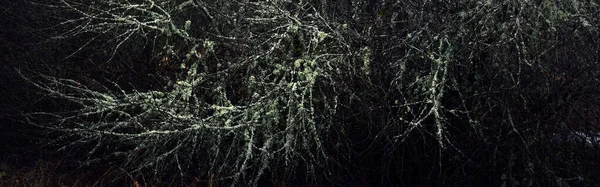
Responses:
[282,88]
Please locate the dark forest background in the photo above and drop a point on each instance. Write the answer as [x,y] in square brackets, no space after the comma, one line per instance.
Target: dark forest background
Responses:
[300,92]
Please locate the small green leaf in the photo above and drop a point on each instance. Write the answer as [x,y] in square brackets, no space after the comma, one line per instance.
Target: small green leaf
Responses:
[322,36]
[298,63]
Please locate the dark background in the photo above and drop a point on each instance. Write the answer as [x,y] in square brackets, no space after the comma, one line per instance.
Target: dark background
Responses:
[521,77]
